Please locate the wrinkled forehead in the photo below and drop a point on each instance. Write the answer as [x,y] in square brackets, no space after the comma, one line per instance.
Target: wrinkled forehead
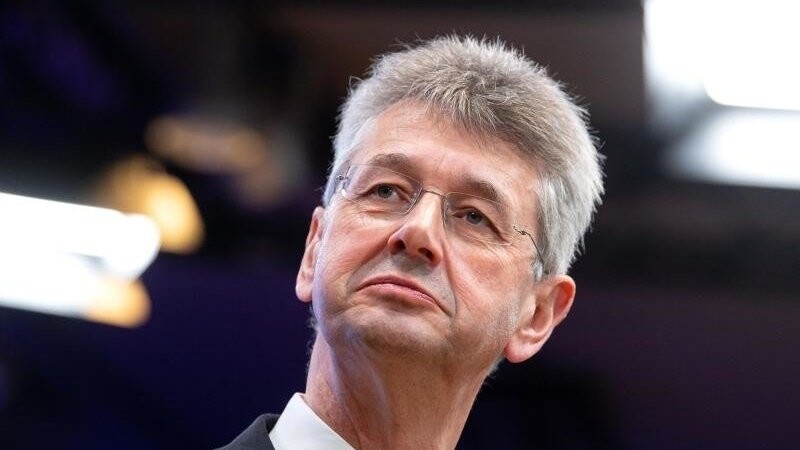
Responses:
[425,145]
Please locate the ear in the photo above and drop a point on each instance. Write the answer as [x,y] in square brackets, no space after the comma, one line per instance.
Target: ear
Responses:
[305,276]
[550,303]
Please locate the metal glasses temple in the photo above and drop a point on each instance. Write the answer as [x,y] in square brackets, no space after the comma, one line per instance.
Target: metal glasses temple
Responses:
[535,247]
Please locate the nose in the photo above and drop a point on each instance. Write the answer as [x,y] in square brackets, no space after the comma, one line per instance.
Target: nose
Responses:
[420,234]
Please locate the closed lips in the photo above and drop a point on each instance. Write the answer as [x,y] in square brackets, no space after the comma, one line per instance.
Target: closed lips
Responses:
[392,280]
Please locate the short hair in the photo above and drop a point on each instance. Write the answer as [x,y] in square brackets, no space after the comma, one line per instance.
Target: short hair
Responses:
[494,90]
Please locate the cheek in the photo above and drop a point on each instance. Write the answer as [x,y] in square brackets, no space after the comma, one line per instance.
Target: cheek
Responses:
[336,263]
[344,249]
[491,274]
[488,293]
[337,258]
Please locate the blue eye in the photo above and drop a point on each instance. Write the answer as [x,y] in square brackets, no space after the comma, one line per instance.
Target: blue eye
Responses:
[474,217]
[384,191]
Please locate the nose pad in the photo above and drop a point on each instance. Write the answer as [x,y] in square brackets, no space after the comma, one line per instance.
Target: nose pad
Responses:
[421,233]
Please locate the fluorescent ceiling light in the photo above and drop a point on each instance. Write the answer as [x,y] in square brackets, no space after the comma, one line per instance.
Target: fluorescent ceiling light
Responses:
[123,244]
[71,286]
[753,148]
[753,54]
[742,53]
[74,260]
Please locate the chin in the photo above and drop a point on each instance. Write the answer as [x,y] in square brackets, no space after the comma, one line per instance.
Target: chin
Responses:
[390,333]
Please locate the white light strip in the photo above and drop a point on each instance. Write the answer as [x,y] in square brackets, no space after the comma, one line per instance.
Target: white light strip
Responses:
[753,54]
[71,286]
[753,148]
[674,42]
[74,260]
[123,244]
[742,52]
[47,282]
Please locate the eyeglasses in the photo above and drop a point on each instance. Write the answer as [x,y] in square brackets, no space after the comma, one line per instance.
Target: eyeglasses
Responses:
[384,194]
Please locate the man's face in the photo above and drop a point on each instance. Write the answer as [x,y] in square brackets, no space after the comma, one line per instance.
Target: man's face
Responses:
[407,286]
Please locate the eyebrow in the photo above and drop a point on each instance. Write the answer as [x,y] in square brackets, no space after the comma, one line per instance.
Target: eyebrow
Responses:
[394,161]
[480,188]
[467,185]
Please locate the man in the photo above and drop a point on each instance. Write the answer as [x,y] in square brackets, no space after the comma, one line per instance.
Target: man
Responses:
[462,183]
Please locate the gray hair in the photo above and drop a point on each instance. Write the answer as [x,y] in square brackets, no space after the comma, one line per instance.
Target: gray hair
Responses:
[493,90]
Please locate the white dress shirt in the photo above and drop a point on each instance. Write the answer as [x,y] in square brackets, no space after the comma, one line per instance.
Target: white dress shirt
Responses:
[299,428]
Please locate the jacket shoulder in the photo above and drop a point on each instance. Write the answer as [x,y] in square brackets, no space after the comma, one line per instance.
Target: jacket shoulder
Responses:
[256,436]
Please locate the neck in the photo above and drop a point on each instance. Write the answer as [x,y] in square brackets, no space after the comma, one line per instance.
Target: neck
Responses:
[389,403]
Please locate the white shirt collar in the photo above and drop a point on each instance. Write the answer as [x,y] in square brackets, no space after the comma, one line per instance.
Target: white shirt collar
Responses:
[299,428]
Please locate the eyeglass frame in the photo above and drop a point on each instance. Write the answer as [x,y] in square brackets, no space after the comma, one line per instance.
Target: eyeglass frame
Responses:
[444,196]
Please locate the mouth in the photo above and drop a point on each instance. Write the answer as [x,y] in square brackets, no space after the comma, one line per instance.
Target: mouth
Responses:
[401,287]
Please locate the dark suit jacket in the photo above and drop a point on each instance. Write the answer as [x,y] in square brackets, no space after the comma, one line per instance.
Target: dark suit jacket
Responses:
[256,436]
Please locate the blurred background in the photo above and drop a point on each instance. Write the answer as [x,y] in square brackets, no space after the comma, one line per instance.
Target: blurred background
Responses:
[177,149]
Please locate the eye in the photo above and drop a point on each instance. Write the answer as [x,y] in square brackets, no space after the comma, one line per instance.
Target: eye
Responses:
[475,217]
[384,191]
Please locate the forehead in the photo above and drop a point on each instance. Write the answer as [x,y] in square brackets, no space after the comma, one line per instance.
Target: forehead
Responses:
[413,139]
